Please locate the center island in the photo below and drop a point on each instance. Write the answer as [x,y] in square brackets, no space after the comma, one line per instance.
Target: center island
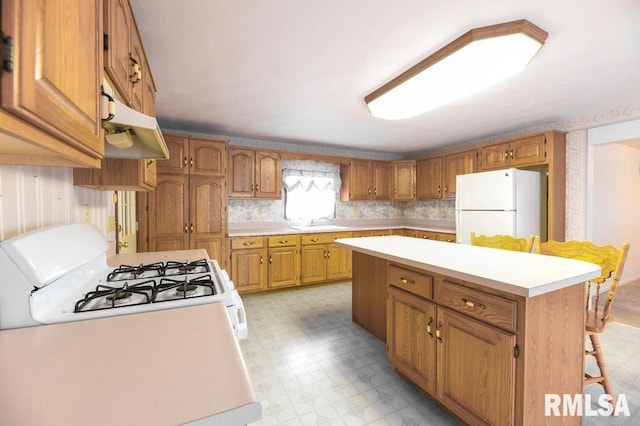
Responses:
[486,333]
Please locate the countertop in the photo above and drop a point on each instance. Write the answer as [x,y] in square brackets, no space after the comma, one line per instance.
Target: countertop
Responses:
[165,367]
[277,228]
[523,274]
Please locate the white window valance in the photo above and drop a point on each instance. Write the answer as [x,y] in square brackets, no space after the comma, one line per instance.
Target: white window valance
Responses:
[311,189]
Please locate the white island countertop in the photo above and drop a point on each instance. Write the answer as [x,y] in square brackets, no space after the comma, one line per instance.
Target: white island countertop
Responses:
[166,367]
[523,274]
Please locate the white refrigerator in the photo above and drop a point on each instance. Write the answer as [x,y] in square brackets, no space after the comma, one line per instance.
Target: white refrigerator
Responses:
[506,201]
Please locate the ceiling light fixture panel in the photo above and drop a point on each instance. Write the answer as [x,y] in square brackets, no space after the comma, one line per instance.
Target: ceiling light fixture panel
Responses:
[472,62]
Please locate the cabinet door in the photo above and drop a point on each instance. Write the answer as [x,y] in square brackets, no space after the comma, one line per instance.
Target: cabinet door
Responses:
[268,180]
[207,213]
[494,157]
[404,180]
[177,161]
[207,157]
[429,178]
[149,89]
[248,269]
[381,180]
[241,173]
[338,262]
[118,22]
[476,369]
[57,69]
[149,173]
[168,214]
[457,164]
[313,263]
[527,151]
[447,238]
[411,328]
[360,180]
[136,79]
[284,263]
[426,235]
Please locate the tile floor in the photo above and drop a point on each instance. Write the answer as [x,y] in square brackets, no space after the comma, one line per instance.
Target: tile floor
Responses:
[311,365]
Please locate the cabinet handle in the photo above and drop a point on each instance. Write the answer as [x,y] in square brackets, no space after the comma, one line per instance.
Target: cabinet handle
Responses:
[136,75]
[185,161]
[282,241]
[111,107]
[270,259]
[249,243]
[506,155]
[253,187]
[150,162]
[257,187]
[261,260]
[375,191]
[407,281]
[429,327]
[471,304]
[314,240]
[438,331]
[438,189]
[511,154]
[191,228]
[446,188]
[186,228]
[191,162]
[369,191]
[328,253]
[426,237]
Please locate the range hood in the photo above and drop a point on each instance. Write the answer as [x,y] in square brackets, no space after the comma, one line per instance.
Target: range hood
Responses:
[129,133]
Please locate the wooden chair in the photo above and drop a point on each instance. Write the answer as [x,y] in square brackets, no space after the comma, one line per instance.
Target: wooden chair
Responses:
[598,316]
[505,242]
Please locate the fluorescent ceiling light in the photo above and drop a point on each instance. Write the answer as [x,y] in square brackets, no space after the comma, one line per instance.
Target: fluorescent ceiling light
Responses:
[477,59]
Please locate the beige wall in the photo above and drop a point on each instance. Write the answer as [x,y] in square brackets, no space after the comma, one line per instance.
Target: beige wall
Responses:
[614,200]
[34,197]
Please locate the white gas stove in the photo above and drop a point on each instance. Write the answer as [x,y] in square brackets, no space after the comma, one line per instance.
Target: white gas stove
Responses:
[60,274]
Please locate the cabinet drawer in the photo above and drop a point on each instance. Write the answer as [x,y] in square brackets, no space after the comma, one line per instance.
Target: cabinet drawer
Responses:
[283,240]
[324,238]
[411,281]
[247,242]
[486,307]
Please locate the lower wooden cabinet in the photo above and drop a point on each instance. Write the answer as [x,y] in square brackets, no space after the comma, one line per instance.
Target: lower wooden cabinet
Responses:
[467,365]
[248,263]
[284,261]
[429,235]
[321,260]
[118,174]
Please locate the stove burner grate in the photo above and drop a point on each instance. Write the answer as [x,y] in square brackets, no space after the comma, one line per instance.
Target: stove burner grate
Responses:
[128,272]
[184,288]
[117,296]
[181,268]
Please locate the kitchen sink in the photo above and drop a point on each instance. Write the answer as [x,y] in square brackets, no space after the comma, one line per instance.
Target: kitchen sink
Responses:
[318,227]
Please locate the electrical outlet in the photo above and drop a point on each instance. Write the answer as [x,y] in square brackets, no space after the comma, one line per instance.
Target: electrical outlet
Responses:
[87,215]
[260,210]
[354,209]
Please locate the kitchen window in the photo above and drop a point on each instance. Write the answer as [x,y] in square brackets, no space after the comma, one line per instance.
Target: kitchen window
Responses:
[311,190]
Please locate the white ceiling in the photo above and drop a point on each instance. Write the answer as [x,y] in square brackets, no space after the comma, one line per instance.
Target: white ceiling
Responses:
[297,71]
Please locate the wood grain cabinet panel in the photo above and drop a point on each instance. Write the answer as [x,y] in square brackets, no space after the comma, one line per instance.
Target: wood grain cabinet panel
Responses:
[254,174]
[476,369]
[51,101]
[366,180]
[429,178]
[459,163]
[404,180]
[249,269]
[411,345]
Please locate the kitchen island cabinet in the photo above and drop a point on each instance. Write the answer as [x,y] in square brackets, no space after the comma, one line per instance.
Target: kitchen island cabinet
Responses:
[110,361]
[454,307]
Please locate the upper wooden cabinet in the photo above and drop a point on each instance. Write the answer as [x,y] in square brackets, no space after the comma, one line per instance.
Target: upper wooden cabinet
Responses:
[436,177]
[124,58]
[194,155]
[429,178]
[366,180]
[455,164]
[254,174]
[118,174]
[50,91]
[404,180]
[517,153]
